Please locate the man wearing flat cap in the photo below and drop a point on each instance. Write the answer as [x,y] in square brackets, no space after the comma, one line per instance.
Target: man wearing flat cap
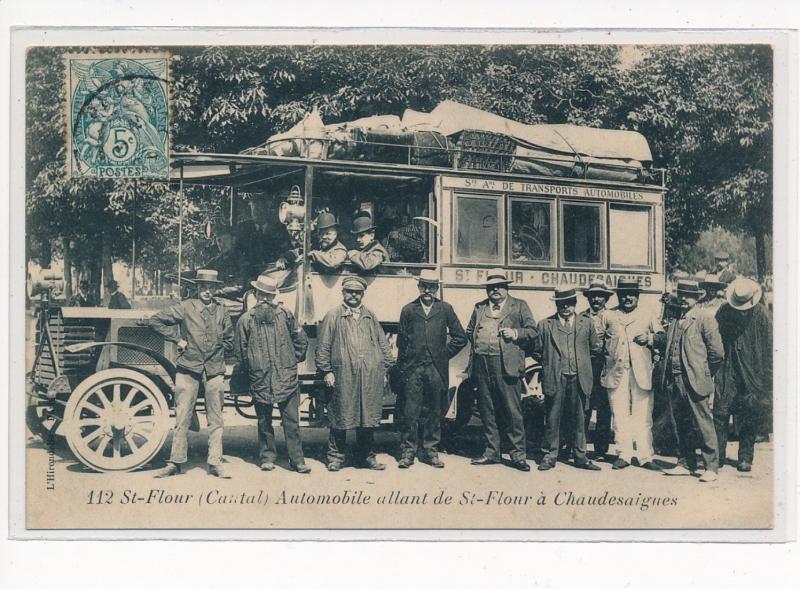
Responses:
[205,335]
[565,344]
[631,335]
[693,354]
[744,382]
[500,329]
[598,295]
[269,345]
[353,354]
[429,335]
[370,253]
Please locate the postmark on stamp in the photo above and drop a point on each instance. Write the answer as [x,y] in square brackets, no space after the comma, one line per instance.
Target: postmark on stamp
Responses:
[118,115]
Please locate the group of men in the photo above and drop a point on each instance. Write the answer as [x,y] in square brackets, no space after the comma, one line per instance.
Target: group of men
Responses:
[712,366]
[84,298]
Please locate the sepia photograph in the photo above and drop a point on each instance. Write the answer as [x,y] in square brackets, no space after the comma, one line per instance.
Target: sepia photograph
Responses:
[400,286]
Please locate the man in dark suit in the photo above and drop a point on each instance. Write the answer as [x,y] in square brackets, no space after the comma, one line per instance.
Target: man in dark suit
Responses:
[694,353]
[424,351]
[565,345]
[500,328]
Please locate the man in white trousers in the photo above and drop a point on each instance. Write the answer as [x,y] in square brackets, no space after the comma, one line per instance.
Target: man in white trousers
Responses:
[631,335]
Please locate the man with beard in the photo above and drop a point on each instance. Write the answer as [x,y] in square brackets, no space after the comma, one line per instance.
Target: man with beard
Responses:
[598,296]
[371,253]
[500,328]
[630,337]
[429,335]
[693,354]
[744,382]
[331,253]
[353,354]
[565,344]
[205,336]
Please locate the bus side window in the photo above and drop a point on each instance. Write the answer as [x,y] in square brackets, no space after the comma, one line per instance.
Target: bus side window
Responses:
[477,229]
[531,229]
[630,229]
[582,228]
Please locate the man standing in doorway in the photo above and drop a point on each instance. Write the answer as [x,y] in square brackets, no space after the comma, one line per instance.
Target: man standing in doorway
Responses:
[353,354]
[499,329]
[694,352]
[205,336]
[631,334]
[429,335]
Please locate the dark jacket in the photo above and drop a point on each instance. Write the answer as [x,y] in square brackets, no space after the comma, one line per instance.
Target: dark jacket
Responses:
[517,315]
[118,301]
[369,257]
[82,301]
[207,330]
[438,336]
[269,345]
[329,259]
[701,350]
[550,351]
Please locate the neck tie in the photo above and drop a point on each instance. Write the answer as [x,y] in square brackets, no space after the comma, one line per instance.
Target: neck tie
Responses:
[495,306]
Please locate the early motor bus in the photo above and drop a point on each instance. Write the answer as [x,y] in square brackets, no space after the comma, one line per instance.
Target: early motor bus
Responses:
[459,192]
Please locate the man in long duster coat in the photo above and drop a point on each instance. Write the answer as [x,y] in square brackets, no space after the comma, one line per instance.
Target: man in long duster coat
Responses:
[353,353]
[269,344]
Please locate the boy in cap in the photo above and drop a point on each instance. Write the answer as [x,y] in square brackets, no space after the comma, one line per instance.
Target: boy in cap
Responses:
[269,344]
[598,295]
[429,335]
[565,344]
[631,335]
[499,329]
[205,336]
[353,354]
[370,253]
[693,354]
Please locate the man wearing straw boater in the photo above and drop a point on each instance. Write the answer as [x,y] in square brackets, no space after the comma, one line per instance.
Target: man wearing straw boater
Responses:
[631,334]
[598,295]
[269,344]
[205,335]
[565,344]
[499,329]
[693,354]
[744,382]
[353,355]
[429,335]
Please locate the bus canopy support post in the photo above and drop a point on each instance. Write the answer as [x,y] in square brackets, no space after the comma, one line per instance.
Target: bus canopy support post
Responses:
[180,230]
[306,301]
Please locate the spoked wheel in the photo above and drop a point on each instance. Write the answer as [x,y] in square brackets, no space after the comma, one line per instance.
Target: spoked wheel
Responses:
[533,394]
[116,420]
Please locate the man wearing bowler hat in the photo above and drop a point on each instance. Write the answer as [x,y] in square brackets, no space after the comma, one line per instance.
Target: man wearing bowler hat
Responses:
[205,335]
[598,295]
[370,253]
[269,345]
[331,253]
[353,354]
[631,334]
[429,335]
[565,344]
[693,354]
[744,382]
[499,329]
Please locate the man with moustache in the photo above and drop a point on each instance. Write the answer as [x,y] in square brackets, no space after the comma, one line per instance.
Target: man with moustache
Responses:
[631,334]
[694,352]
[370,253]
[598,296]
[205,336]
[353,354]
[331,253]
[429,335]
[499,329]
[565,344]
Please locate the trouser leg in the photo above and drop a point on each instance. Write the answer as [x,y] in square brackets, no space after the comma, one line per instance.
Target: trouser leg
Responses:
[431,419]
[620,400]
[576,408]
[290,421]
[365,442]
[412,407]
[186,386]
[266,433]
[214,402]
[486,407]
[507,395]
[553,405]
[337,445]
[642,421]
[704,424]
[683,421]
[747,437]
[722,419]
[602,426]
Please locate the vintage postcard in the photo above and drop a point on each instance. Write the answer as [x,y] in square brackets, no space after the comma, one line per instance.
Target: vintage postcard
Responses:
[462,285]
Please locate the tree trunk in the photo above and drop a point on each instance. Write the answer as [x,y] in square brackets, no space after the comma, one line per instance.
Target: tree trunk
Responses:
[106,261]
[761,255]
[69,292]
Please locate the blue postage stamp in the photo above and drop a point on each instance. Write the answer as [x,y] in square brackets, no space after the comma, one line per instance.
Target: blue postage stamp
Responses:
[118,115]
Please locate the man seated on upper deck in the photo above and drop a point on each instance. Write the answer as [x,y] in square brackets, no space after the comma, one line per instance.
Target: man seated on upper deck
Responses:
[371,253]
[331,253]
